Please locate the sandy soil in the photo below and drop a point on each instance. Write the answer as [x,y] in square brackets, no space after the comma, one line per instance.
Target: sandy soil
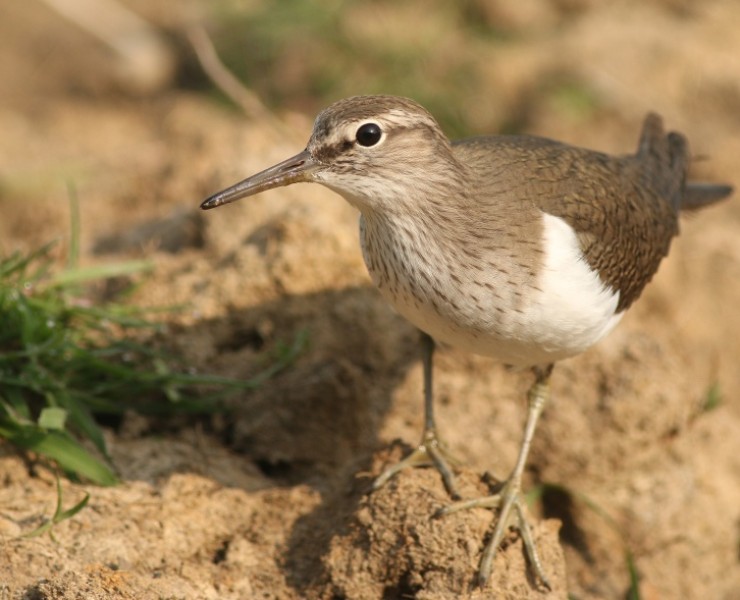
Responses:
[274,503]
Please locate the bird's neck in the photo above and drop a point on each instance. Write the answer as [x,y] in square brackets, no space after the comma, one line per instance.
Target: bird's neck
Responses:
[434,185]
[409,249]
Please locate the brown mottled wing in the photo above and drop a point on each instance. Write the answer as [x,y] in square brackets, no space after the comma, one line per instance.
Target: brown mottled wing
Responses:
[623,209]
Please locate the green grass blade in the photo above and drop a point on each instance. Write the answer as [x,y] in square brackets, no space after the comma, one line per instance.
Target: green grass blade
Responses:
[633,593]
[713,398]
[13,403]
[60,447]
[82,420]
[79,275]
[17,264]
[53,417]
[65,359]
[285,355]
[59,513]
[73,254]
[72,511]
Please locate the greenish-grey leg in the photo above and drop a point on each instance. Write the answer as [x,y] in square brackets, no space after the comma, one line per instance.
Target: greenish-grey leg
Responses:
[430,451]
[509,499]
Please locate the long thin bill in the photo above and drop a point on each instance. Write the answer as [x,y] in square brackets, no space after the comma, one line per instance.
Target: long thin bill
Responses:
[297,168]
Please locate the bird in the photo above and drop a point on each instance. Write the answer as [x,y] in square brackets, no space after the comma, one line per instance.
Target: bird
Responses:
[515,247]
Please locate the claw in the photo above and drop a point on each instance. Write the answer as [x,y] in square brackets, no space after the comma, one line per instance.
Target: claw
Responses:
[511,514]
[508,498]
[430,453]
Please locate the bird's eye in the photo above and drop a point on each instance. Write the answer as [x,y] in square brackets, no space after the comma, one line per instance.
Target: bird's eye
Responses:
[368,134]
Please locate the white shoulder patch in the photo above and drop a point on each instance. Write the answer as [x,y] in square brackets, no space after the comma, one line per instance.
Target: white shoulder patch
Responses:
[574,309]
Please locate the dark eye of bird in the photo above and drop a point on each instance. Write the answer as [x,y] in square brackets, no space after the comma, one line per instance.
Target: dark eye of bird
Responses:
[369,134]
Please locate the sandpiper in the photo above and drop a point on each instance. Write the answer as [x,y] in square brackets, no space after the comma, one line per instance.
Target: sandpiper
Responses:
[516,247]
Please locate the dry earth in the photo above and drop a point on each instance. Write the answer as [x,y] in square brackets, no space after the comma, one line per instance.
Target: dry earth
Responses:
[273,503]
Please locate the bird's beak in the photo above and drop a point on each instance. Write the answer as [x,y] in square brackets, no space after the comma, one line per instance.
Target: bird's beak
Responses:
[300,167]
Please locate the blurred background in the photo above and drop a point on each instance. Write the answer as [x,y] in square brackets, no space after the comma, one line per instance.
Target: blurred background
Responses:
[481,66]
[117,117]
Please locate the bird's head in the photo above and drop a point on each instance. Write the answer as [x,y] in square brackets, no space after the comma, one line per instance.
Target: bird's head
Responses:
[376,151]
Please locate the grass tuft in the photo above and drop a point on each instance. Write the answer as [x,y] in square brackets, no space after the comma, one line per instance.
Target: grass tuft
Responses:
[60,514]
[65,361]
[713,398]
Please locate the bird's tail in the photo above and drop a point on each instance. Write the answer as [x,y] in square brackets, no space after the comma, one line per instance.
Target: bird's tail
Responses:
[666,158]
[697,194]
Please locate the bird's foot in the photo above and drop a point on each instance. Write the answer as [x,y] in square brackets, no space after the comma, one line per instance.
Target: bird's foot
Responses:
[510,502]
[431,452]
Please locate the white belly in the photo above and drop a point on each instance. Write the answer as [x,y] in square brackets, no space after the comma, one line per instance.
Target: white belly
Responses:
[567,310]
[572,308]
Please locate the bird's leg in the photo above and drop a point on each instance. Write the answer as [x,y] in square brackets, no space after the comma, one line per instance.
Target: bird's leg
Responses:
[430,451]
[509,499]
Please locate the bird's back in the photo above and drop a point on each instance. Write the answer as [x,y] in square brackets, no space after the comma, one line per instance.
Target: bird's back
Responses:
[624,209]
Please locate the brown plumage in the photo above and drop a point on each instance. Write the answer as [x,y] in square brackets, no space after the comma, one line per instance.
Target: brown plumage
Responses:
[517,247]
[624,209]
